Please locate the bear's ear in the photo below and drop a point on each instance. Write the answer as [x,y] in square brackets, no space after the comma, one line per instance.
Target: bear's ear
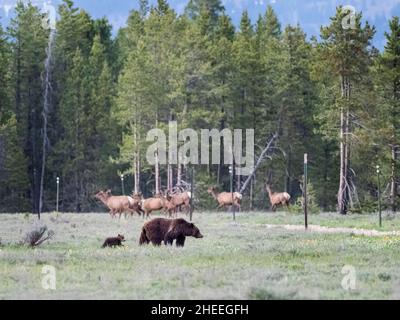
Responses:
[192,224]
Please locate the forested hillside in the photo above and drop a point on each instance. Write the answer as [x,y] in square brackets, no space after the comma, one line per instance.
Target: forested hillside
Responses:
[336,99]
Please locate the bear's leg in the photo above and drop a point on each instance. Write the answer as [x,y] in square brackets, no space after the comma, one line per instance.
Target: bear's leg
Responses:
[156,241]
[180,241]
[168,240]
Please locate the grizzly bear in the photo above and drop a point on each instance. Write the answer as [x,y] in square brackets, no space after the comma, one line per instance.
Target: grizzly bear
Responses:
[113,242]
[168,230]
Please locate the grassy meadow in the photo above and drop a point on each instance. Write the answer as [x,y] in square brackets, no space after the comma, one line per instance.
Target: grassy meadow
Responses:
[246,259]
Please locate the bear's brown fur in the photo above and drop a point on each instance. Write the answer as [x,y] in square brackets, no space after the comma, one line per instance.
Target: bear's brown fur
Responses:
[112,242]
[168,230]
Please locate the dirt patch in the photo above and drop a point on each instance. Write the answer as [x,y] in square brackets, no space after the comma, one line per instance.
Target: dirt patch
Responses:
[321,229]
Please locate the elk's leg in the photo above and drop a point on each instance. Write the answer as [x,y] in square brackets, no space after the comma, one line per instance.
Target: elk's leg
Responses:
[131,211]
[139,211]
[187,206]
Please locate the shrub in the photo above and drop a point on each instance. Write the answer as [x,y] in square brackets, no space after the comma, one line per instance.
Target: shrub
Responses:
[37,235]
[312,205]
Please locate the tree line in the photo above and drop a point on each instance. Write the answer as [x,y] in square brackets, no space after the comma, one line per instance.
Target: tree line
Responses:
[335,98]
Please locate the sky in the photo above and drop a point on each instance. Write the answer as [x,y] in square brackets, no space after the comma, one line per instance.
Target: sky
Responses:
[310,14]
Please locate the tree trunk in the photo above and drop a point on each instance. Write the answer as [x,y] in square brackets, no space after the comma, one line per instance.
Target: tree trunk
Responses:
[168,176]
[343,193]
[325,179]
[179,174]
[258,163]
[76,189]
[251,193]
[393,180]
[342,197]
[157,174]
[136,160]
[288,187]
[157,165]
[238,174]
[218,173]
[137,175]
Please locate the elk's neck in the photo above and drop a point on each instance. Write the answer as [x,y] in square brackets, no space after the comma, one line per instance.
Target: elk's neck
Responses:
[104,199]
[214,194]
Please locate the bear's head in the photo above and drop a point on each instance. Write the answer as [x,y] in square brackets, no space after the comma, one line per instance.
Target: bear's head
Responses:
[121,237]
[194,231]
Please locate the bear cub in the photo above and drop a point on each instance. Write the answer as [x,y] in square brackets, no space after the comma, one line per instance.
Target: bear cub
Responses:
[113,242]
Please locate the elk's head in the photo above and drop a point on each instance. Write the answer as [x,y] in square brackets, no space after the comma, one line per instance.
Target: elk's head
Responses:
[99,195]
[137,196]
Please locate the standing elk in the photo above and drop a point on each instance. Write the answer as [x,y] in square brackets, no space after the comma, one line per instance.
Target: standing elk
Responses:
[226,198]
[155,204]
[136,203]
[180,200]
[118,204]
[277,199]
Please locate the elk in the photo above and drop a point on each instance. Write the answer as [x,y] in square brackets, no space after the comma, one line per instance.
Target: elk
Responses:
[136,202]
[180,199]
[169,207]
[226,198]
[154,204]
[277,199]
[118,204]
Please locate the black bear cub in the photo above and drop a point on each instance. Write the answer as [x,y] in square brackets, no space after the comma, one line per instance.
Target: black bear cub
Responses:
[113,242]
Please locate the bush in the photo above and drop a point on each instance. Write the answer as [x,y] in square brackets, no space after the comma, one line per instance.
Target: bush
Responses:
[202,200]
[37,235]
[312,205]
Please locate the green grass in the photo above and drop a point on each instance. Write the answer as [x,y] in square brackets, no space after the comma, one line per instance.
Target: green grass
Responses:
[242,260]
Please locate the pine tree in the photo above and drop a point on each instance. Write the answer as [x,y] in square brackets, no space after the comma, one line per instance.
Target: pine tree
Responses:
[103,133]
[127,39]
[134,93]
[245,62]
[143,7]
[13,165]
[346,52]
[222,74]
[5,103]
[387,75]
[297,104]
[73,111]
[28,50]
[271,23]
[213,7]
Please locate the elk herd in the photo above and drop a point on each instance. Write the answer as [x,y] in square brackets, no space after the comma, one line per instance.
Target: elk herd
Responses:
[170,204]
[136,204]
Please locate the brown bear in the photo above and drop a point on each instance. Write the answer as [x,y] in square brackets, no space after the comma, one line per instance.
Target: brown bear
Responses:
[168,230]
[113,242]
